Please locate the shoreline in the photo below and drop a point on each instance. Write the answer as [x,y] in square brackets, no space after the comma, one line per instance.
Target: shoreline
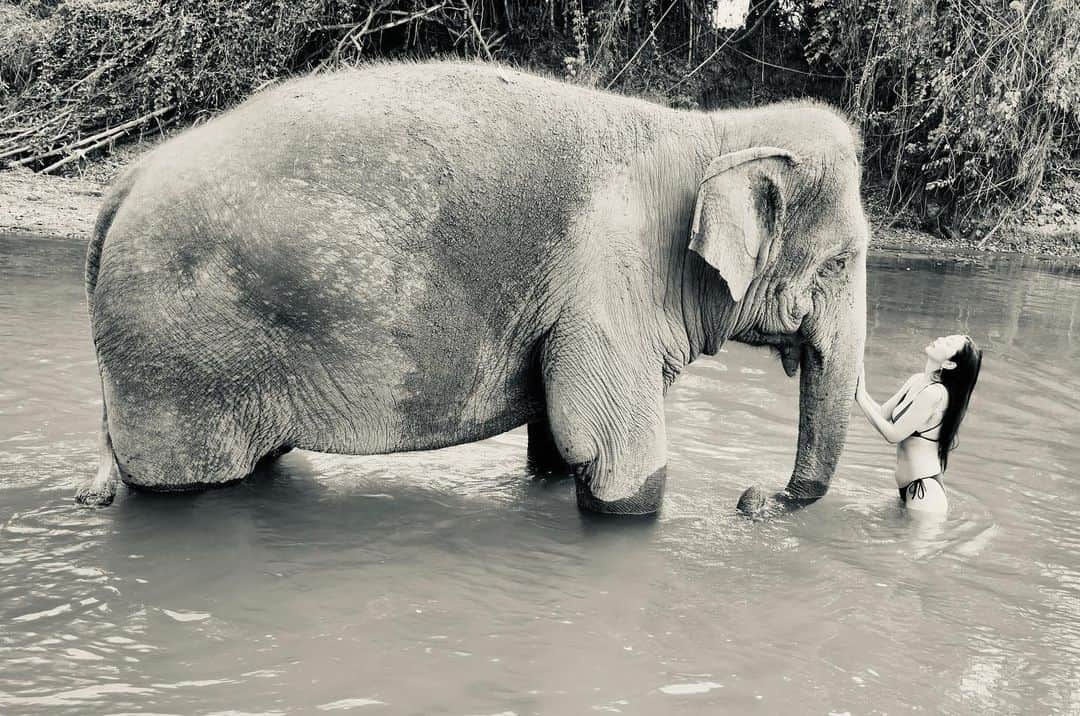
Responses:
[48,206]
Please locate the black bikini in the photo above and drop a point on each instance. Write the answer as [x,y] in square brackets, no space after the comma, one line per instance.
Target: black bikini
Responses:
[915,488]
[903,410]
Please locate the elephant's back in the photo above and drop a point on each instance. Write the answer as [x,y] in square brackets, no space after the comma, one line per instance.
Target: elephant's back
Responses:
[372,115]
[417,133]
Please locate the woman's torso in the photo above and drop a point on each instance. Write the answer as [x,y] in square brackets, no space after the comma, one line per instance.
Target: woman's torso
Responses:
[917,454]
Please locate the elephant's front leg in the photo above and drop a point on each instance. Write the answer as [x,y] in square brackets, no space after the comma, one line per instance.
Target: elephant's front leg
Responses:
[606,414]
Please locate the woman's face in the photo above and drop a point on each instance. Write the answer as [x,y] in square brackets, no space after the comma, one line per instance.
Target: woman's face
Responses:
[945,347]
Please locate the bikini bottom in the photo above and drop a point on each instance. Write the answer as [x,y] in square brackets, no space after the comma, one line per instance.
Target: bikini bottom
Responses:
[916,489]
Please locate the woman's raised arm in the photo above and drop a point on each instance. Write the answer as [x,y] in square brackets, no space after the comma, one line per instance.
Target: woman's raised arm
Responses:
[921,410]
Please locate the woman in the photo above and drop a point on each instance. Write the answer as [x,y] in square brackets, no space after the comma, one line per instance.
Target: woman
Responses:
[924,417]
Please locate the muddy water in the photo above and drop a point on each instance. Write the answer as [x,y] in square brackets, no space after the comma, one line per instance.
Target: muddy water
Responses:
[454,582]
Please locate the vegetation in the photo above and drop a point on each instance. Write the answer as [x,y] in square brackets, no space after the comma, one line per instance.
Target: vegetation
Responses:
[962,102]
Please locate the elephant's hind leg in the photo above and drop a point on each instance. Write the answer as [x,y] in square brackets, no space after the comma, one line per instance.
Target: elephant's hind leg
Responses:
[200,465]
[100,490]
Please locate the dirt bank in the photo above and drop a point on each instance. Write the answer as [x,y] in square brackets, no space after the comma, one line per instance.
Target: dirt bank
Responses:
[48,206]
[52,206]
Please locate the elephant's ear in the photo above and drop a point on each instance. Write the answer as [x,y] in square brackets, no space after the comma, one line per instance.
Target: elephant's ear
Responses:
[739,206]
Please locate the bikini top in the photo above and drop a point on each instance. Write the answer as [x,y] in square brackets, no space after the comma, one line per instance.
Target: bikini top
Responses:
[898,415]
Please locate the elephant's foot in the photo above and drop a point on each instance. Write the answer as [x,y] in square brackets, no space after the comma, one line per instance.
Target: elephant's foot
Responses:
[646,501]
[100,490]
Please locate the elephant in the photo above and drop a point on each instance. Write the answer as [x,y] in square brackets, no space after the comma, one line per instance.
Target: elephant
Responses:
[409,256]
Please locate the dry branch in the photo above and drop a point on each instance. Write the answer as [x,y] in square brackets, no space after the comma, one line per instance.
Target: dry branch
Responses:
[80,154]
[358,30]
[13,152]
[108,134]
[476,29]
[38,128]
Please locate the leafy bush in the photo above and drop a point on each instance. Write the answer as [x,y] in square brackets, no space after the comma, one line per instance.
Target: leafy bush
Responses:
[109,68]
[21,33]
[961,103]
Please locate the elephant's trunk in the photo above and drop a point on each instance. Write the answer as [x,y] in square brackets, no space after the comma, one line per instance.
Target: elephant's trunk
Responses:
[828,371]
[826,391]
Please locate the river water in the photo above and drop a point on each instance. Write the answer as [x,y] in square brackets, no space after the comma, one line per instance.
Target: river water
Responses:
[454,582]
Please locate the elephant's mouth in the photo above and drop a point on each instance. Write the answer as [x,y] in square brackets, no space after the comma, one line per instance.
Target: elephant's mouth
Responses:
[792,348]
[792,355]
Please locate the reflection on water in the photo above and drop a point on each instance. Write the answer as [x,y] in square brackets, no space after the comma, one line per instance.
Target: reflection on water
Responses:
[455,582]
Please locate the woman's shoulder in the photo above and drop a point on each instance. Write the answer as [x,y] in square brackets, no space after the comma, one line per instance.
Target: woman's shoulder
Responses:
[937,391]
[926,389]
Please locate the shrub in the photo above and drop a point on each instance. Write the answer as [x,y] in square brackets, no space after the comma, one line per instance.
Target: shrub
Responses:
[21,33]
[107,68]
[961,103]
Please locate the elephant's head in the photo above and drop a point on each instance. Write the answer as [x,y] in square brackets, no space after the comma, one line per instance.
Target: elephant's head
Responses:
[782,224]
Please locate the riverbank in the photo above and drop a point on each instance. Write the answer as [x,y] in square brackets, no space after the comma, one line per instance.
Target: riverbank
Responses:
[51,206]
[47,206]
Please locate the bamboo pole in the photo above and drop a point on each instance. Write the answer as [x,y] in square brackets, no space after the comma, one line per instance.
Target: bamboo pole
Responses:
[79,155]
[110,133]
[13,152]
[38,128]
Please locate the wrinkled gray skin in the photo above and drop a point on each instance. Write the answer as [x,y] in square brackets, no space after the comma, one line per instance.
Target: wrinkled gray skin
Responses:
[411,256]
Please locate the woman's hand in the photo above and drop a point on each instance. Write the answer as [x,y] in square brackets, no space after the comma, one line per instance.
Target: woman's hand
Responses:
[860,385]
[921,408]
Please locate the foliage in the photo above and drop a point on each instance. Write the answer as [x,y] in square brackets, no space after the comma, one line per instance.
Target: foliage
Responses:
[21,32]
[110,68]
[962,102]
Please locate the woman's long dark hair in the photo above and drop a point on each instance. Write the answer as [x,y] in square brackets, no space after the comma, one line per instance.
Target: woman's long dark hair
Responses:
[959,382]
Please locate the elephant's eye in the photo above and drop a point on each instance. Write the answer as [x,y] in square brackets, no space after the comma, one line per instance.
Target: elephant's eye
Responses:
[835,265]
